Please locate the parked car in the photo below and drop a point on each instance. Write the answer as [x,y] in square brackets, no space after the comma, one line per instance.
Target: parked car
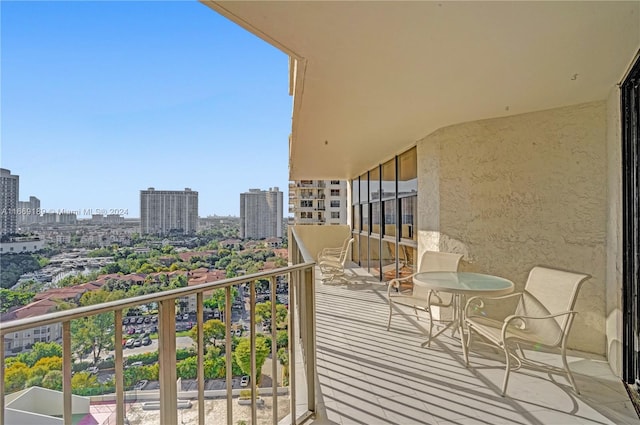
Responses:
[129,343]
[93,370]
[146,340]
[125,321]
[140,384]
[131,331]
[140,320]
[244,381]
[137,342]
[135,364]
[147,319]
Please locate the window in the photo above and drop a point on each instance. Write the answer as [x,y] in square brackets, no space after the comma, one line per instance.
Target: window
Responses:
[335,214]
[335,181]
[384,203]
[335,192]
[306,204]
[335,204]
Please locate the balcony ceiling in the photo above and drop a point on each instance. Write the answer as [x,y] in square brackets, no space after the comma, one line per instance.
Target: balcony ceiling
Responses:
[376,77]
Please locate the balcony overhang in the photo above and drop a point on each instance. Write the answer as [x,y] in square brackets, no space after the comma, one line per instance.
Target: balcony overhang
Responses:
[372,78]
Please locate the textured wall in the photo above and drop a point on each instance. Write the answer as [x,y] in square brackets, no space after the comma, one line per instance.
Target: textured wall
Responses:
[525,190]
[614,236]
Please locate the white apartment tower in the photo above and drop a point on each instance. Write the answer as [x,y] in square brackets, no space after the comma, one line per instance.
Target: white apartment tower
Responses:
[168,211]
[9,191]
[318,201]
[261,214]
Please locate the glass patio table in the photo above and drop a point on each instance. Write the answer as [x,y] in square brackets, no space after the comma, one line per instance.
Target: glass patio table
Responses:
[461,285]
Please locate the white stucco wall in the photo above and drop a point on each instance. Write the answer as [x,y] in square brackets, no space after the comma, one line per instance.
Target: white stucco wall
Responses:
[315,238]
[511,193]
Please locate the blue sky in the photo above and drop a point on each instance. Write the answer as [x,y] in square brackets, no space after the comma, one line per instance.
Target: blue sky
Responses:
[103,99]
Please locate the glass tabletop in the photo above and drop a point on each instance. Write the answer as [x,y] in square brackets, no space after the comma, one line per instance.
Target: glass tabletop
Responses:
[464,282]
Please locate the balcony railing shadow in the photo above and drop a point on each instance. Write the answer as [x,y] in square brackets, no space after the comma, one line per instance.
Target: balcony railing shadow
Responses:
[367,374]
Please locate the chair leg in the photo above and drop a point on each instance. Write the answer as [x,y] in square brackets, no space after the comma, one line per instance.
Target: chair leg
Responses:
[505,381]
[566,368]
[430,327]
[465,346]
[390,312]
[416,312]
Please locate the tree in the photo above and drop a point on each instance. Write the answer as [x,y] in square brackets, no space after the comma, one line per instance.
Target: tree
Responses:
[212,329]
[282,339]
[243,355]
[263,311]
[40,350]
[187,368]
[218,298]
[93,334]
[9,299]
[82,380]
[45,365]
[283,359]
[53,380]
[15,376]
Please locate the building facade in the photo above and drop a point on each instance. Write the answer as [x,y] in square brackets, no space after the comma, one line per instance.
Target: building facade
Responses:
[9,192]
[168,211]
[261,214]
[28,211]
[318,201]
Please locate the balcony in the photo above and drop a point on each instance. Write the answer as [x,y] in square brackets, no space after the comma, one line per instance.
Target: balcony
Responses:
[367,374]
[347,367]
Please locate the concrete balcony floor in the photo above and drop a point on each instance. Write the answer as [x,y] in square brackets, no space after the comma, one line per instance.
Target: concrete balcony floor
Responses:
[368,375]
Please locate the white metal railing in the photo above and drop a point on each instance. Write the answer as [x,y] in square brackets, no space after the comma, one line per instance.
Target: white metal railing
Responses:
[301,316]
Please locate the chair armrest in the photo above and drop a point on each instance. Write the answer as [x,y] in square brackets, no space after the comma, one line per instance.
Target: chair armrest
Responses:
[522,319]
[395,283]
[479,303]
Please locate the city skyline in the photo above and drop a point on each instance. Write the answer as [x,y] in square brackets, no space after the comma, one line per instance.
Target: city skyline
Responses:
[102,99]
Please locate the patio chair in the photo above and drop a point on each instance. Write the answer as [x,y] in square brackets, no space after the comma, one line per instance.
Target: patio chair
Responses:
[333,253]
[542,317]
[334,268]
[401,291]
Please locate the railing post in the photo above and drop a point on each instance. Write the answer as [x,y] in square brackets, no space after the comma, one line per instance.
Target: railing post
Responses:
[119,371]
[167,361]
[227,352]
[2,380]
[310,337]
[293,301]
[274,353]
[252,344]
[200,325]
[66,373]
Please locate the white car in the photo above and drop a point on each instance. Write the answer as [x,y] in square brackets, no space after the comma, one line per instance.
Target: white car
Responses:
[244,381]
[93,370]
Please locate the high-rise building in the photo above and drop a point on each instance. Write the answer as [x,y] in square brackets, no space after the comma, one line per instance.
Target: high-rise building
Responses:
[318,201]
[261,214]
[29,211]
[9,192]
[168,211]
